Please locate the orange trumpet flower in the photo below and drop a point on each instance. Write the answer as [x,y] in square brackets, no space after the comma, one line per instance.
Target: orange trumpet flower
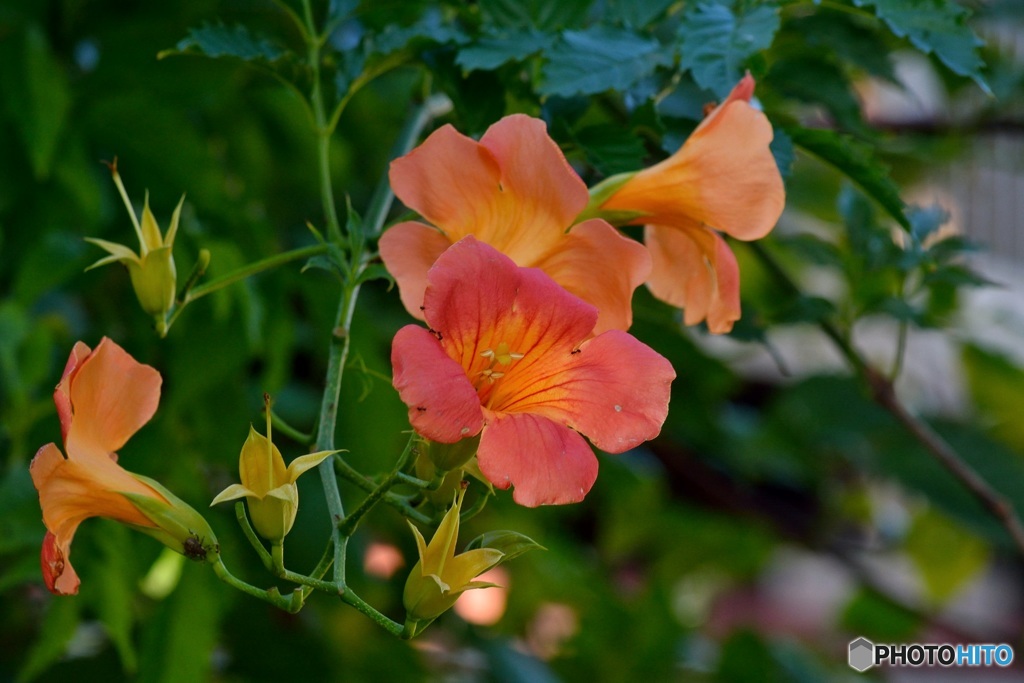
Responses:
[103,398]
[724,178]
[512,357]
[515,191]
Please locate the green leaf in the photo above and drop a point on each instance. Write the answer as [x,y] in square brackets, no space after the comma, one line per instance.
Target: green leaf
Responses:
[857,161]
[218,40]
[541,14]
[611,148]
[853,43]
[928,543]
[114,591]
[495,49]
[59,624]
[636,13]
[178,640]
[376,272]
[36,96]
[997,386]
[873,616]
[600,58]
[716,41]
[936,27]
[511,543]
[810,76]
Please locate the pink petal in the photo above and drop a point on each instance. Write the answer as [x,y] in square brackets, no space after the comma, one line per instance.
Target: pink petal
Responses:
[601,266]
[695,270]
[478,298]
[548,464]
[112,397]
[409,250]
[615,390]
[443,406]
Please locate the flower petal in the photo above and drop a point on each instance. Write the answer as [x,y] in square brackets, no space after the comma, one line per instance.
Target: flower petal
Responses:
[409,250]
[112,396]
[547,463]
[260,464]
[724,176]
[615,391]
[541,194]
[450,180]
[601,266]
[307,462]
[695,270]
[443,406]
[58,574]
[513,189]
[233,492]
[520,307]
[62,394]
[70,492]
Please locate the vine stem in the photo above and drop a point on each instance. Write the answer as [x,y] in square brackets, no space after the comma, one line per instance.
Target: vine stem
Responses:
[884,394]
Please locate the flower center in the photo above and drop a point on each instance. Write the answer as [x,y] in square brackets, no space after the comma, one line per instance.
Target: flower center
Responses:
[499,358]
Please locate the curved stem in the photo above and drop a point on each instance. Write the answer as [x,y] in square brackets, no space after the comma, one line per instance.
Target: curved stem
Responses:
[348,525]
[250,535]
[272,595]
[883,393]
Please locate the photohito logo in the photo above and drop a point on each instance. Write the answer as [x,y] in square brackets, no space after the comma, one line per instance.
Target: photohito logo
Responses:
[864,654]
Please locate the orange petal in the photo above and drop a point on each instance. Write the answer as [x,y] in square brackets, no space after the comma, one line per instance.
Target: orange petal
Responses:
[513,189]
[522,308]
[112,396]
[541,194]
[62,395]
[451,180]
[547,463]
[614,390]
[70,492]
[695,270]
[724,176]
[408,250]
[601,266]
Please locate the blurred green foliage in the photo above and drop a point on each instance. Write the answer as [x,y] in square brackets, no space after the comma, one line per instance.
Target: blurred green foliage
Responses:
[743,471]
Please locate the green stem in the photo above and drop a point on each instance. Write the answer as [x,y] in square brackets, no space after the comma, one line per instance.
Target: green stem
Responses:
[349,524]
[252,269]
[272,595]
[291,432]
[250,535]
[392,627]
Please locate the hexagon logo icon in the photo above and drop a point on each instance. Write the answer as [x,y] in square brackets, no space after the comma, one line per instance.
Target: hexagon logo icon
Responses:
[862,654]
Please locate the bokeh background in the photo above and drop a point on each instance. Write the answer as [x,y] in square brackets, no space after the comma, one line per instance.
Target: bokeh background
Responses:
[781,514]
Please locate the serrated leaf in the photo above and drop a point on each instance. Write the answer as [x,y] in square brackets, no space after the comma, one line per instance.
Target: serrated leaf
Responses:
[511,543]
[716,41]
[218,40]
[611,148]
[599,58]
[376,272]
[811,77]
[936,27]
[853,43]
[857,162]
[493,50]
[431,29]
[637,13]
[541,14]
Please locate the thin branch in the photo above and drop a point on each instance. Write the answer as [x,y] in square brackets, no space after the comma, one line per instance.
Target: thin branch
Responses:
[883,393]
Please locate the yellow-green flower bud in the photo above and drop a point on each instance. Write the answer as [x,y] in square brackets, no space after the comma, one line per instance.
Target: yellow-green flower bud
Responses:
[267,485]
[440,576]
[152,270]
[177,524]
